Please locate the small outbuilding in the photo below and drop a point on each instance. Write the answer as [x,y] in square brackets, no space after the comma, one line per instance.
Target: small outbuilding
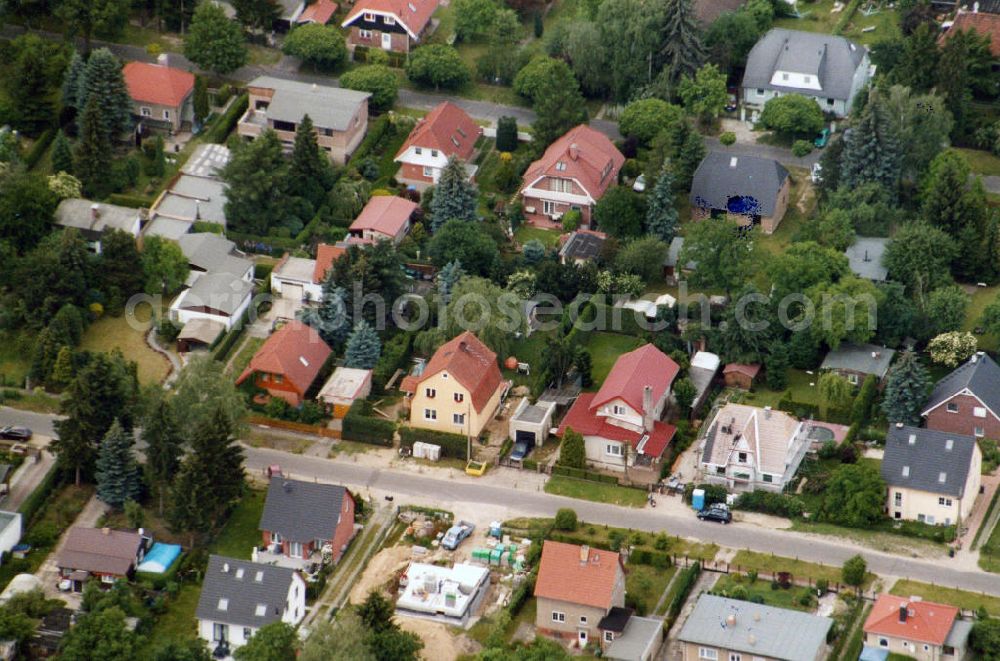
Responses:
[531,423]
[344,386]
[856,361]
[741,375]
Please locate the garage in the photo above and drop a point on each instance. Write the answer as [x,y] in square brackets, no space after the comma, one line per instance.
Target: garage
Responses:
[531,422]
[292,292]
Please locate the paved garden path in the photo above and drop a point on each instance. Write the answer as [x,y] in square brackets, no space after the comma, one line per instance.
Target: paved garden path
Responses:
[175,362]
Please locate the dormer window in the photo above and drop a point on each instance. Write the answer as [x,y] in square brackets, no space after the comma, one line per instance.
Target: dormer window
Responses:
[223,604]
[418,150]
[784,76]
[434,153]
[807,79]
[369,17]
[390,20]
[742,457]
[618,410]
[261,610]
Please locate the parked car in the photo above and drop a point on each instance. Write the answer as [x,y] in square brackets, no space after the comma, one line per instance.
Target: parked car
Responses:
[822,139]
[520,451]
[15,433]
[816,175]
[457,534]
[718,513]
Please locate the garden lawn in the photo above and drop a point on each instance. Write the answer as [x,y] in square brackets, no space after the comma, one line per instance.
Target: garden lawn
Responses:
[604,350]
[110,333]
[779,598]
[982,297]
[776,243]
[526,233]
[959,598]
[240,533]
[799,385]
[250,347]
[644,585]
[818,17]
[770,563]
[981,161]
[600,492]
[14,364]
[178,621]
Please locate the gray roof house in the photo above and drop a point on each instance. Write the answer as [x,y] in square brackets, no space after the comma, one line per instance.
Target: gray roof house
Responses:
[742,186]
[195,194]
[856,361]
[830,69]
[93,219]
[214,253]
[927,460]
[732,627]
[864,258]
[238,597]
[220,285]
[980,376]
[306,513]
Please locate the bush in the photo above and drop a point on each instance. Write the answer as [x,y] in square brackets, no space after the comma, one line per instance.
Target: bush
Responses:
[131,201]
[394,355]
[566,519]
[39,148]
[714,493]
[822,586]
[685,583]
[452,445]
[728,138]
[801,148]
[224,123]
[360,425]
[506,134]
[374,78]
[438,66]
[777,504]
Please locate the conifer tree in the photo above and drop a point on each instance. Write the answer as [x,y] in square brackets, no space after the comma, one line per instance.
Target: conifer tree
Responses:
[162,436]
[74,82]
[449,274]
[661,213]
[363,347]
[92,160]
[455,197]
[62,155]
[682,51]
[117,472]
[105,84]
[332,319]
[211,477]
[62,370]
[905,390]
[200,100]
[871,150]
[310,174]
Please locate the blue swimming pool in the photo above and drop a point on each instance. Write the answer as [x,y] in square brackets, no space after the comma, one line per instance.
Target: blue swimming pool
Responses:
[159,558]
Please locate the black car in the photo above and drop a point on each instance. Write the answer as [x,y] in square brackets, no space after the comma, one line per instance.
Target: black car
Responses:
[15,433]
[715,513]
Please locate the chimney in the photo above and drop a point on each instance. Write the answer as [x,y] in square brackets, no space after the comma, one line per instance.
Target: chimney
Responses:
[105,531]
[197,209]
[574,151]
[584,554]
[767,412]
[903,607]
[647,408]
[975,7]
[731,620]
[899,425]
[163,59]
[95,211]
[867,258]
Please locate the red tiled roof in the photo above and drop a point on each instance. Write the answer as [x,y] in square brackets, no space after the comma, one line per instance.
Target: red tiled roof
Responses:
[582,154]
[155,83]
[412,14]
[564,575]
[385,214]
[320,12]
[750,371]
[706,11]
[633,371]
[447,128]
[984,24]
[326,255]
[582,417]
[926,621]
[470,362]
[296,351]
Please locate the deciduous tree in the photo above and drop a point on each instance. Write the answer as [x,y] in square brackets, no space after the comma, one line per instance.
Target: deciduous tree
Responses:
[919,257]
[792,114]
[100,634]
[558,105]
[438,66]
[214,42]
[465,242]
[201,390]
[26,208]
[257,15]
[952,348]
[377,79]
[479,305]
[704,95]
[855,496]
[164,266]
[321,46]
[620,213]
[725,259]
[86,18]
[272,642]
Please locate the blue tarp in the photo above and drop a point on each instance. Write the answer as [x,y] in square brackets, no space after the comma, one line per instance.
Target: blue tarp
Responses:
[159,558]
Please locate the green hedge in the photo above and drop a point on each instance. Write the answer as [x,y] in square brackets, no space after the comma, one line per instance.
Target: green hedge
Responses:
[452,445]
[229,340]
[395,353]
[582,474]
[397,60]
[223,125]
[685,583]
[30,506]
[377,130]
[131,201]
[777,504]
[657,559]
[360,425]
[714,493]
[38,149]
[262,271]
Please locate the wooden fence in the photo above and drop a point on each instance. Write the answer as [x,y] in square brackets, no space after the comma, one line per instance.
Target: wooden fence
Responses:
[298,427]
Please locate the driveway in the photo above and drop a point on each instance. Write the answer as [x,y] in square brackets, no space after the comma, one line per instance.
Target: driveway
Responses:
[48,573]
[28,476]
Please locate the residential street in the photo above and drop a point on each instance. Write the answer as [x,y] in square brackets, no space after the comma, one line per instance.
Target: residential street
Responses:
[523,502]
[529,501]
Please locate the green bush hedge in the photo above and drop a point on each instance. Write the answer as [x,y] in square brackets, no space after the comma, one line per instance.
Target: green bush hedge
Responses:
[262,271]
[360,425]
[452,445]
[395,353]
[685,583]
[582,474]
[38,149]
[34,502]
[223,125]
[778,504]
[657,559]
[131,201]
[714,493]
[231,338]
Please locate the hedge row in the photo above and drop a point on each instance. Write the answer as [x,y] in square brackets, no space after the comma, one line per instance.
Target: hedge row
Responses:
[805,410]
[131,201]
[395,353]
[581,474]
[38,149]
[452,445]
[360,425]
[657,559]
[37,498]
[376,131]
[777,504]
[223,126]
[685,583]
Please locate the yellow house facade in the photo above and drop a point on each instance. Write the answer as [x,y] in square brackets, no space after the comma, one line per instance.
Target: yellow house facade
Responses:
[459,390]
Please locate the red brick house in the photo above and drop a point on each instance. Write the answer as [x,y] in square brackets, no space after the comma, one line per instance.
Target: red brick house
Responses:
[288,363]
[301,518]
[982,23]
[394,25]
[445,131]
[573,173]
[384,218]
[967,401]
[913,628]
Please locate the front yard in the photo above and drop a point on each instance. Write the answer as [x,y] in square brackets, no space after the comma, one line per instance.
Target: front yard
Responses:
[600,492]
[960,598]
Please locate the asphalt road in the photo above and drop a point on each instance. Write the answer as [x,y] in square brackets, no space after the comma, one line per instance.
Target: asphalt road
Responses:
[813,548]
[403,484]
